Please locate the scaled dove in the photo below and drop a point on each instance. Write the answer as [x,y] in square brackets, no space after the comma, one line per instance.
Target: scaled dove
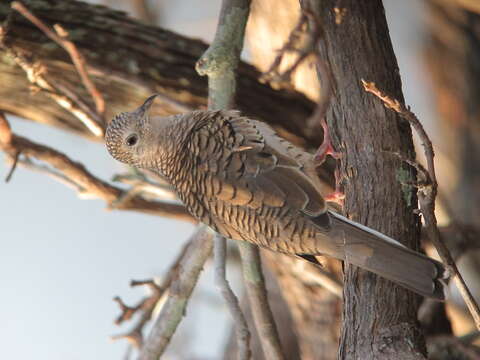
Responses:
[241,179]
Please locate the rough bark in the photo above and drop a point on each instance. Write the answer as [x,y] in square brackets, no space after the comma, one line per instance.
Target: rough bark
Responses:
[129,61]
[379,317]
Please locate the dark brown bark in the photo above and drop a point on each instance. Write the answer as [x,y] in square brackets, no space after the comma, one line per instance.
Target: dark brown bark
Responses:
[129,60]
[379,317]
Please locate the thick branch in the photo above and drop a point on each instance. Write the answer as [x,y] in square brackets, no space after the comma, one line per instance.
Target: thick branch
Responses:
[379,317]
[240,323]
[258,298]
[61,38]
[180,291]
[128,61]
[147,305]
[220,63]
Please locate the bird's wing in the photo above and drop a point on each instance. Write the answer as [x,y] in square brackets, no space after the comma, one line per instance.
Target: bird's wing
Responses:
[254,167]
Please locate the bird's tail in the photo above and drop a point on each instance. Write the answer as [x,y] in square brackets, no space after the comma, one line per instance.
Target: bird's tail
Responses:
[376,252]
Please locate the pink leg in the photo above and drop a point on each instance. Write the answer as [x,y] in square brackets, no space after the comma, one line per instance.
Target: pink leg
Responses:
[326,148]
[337,196]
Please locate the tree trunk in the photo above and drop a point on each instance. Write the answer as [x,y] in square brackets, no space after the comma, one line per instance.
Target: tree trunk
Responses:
[379,317]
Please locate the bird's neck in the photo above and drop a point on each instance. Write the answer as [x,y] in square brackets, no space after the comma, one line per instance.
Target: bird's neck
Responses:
[174,157]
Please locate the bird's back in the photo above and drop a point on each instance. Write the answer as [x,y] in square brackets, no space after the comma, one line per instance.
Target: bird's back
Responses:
[249,184]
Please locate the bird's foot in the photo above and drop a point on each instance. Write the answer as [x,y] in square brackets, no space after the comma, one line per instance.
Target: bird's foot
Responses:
[326,148]
[337,197]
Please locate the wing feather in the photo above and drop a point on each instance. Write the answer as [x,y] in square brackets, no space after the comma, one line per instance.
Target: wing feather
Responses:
[260,168]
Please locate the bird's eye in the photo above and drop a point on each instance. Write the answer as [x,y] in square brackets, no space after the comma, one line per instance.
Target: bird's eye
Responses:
[132,140]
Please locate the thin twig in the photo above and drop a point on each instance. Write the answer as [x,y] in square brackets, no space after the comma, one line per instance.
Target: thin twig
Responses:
[292,45]
[76,173]
[147,305]
[258,298]
[60,93]
[145,186]
[128,352]
[15,157]
[304,41]
[27,163]
[61,38]
[427,196]
[240,324]
[180,291]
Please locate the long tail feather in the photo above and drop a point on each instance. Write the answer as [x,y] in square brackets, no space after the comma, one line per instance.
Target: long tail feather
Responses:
[376,252]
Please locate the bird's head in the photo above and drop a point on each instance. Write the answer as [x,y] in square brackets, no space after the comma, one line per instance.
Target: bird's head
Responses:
[129,133]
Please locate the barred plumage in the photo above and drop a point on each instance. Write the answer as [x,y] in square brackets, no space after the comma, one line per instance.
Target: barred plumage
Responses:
[237,176]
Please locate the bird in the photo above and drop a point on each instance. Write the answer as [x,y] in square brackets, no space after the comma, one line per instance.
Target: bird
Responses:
[236,175]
